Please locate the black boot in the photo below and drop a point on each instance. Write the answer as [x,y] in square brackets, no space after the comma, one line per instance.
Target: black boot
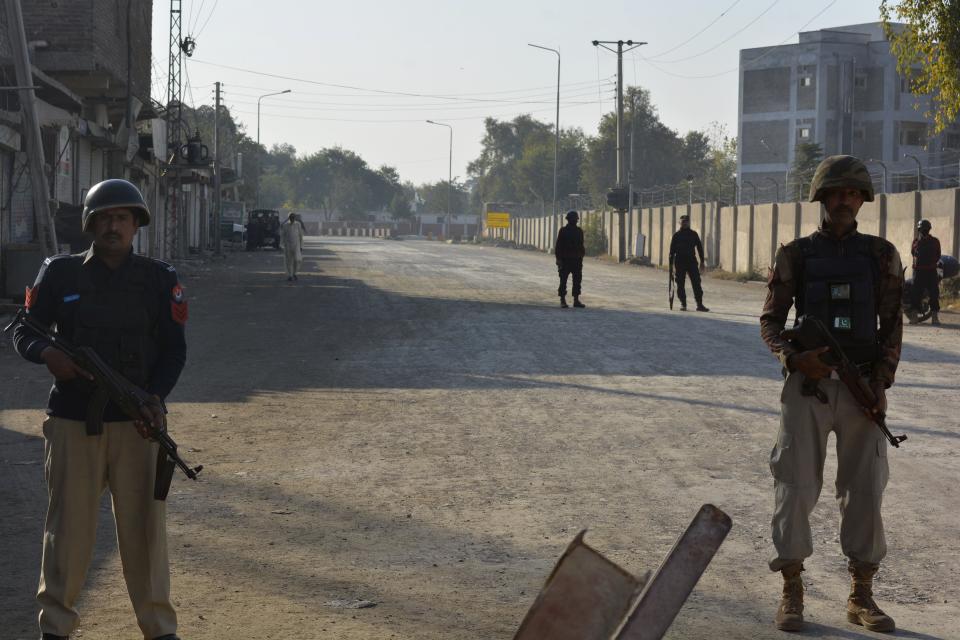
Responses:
[563,302]
[700,307]
[577,303]
[52,636]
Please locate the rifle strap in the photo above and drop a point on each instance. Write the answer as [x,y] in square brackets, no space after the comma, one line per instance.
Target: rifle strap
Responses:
[98,402]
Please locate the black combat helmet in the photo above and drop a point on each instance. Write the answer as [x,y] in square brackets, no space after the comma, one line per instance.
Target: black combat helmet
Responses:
[573,215]
[924,226]
[114,194]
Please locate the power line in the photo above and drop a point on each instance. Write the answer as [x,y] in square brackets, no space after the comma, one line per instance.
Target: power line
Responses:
[433,106]
[722,42]
[339,86]
[402,120]
[210,15]
[462,96]
[517,99]
[698,33]
[749,62]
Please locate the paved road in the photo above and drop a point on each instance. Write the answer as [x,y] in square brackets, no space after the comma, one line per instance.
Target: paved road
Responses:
[419,425]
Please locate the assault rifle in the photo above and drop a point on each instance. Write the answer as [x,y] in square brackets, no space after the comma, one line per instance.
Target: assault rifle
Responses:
[124,394]
[810,333]
[670,284]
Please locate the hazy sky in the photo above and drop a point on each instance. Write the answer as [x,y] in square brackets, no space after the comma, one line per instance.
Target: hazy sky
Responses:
[401,63]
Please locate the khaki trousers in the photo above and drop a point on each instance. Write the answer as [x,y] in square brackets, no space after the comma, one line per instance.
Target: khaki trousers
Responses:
[78,468]
[797,466]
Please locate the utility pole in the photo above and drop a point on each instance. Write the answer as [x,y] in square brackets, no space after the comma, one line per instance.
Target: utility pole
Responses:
[617,197]
[446,225]
[174,124]
[217,249]
[31,129]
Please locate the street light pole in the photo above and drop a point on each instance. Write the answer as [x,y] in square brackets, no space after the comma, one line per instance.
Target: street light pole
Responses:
[446,219]
[884,179]
[556,144]
[259,167]
[919,170]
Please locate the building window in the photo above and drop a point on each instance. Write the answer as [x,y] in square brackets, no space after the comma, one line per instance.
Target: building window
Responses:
[860,81]
[952,140]
[803,133]
[913,134]
[806,81]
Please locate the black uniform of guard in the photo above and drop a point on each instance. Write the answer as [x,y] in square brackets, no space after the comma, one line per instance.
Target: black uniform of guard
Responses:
[130,310]
[126,315]
[684,247]
[570,250]
[926,255]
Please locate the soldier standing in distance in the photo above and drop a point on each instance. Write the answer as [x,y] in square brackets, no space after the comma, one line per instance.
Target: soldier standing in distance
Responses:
[926,255]
[130,309]
[853,283]
[684,243]
[570,250]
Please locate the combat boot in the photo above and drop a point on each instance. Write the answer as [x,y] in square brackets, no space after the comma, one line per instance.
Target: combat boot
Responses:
[563,302]
[861,608]
[577,303]
[790,612]
[935,318]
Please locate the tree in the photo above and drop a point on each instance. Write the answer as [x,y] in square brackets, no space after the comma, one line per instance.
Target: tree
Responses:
[434,197]
[722,161]
[806,157]
[927,49]
[503,147]
[661,156]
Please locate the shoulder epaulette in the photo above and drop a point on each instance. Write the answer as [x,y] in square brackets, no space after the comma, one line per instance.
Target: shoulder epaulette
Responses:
[156,262]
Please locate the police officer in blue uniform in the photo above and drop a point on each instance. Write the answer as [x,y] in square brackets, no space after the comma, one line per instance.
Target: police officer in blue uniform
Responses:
[131,310]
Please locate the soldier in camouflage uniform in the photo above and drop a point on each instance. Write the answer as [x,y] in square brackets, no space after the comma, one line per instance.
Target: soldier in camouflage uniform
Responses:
[853,283]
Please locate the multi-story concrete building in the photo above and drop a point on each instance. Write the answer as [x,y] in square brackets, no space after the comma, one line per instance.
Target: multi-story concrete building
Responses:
[838,88]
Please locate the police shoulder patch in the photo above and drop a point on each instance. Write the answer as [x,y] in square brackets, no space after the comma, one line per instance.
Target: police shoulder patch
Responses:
[178,305]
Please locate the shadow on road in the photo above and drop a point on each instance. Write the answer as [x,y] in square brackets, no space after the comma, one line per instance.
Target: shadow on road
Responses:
[23,495]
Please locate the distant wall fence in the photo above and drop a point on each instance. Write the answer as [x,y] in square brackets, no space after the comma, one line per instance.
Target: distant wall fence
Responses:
[744,238]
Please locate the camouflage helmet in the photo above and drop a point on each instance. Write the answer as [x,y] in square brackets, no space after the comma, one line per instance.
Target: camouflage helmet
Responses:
[844,172]
[114,194]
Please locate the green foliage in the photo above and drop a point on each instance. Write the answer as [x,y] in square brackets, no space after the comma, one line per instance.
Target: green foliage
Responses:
[433,197]
[660,155]
[594,240]
[927,49]
[806,157]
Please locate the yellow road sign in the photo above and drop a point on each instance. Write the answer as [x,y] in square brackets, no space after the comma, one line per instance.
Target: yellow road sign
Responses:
[498,220]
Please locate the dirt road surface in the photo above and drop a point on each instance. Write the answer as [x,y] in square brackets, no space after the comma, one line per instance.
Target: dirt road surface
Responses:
[417,425]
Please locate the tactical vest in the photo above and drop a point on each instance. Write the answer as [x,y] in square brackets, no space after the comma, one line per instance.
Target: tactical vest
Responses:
[838,286]
[120,323]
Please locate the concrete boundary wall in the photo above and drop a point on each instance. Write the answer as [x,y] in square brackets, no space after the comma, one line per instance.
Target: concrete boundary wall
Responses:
[746,237]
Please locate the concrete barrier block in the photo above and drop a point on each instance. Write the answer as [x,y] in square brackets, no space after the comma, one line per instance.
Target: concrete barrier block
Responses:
[810,216]
[940,207]
[728,238]
[902,215]
[765,230]
[744,251]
